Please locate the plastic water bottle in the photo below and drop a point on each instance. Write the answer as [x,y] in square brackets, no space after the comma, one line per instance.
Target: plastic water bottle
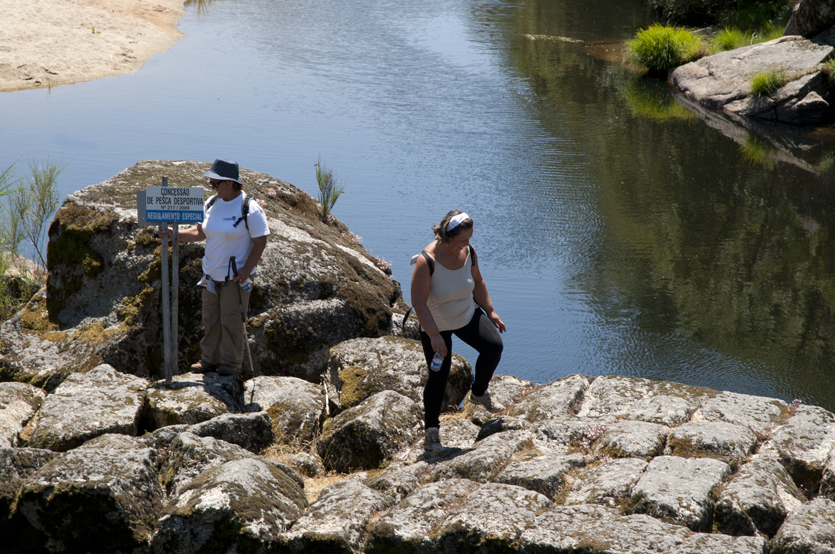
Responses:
[437,360]
[247,285]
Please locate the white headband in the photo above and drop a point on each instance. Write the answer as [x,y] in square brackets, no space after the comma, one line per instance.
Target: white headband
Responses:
[456,221]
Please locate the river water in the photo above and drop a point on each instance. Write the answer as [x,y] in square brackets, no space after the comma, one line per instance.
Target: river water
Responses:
[619,233]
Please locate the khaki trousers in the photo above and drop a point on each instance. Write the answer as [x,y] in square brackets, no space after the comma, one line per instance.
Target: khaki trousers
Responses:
[223,343]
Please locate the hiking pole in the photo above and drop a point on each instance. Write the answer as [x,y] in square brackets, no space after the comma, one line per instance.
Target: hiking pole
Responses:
[255,373]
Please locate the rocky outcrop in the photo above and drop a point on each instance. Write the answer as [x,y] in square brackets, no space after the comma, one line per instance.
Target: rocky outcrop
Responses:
[296,407]
[811,17]
[723,81]
[315,288]
[594,465]
[360,368]
[90,404]
[19,403]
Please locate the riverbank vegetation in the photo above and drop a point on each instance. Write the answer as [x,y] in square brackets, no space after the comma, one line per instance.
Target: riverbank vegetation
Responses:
[732,25]
[27,205]
[766,82]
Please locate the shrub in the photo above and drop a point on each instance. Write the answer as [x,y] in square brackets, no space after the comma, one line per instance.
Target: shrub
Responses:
[661,47]
[766,82]
[729,39]
[828,69]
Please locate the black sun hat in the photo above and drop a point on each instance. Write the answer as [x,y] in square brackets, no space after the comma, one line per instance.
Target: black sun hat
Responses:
[224,170]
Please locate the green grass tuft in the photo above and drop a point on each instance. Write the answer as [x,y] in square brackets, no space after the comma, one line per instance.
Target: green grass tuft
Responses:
[661,47]
[729,38]
[766,82]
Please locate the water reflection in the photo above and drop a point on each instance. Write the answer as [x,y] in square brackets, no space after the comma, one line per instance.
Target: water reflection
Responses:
[716,232]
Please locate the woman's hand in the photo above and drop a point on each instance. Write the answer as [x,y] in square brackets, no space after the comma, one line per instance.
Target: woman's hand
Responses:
[169,233]
[438,345]
[494,317]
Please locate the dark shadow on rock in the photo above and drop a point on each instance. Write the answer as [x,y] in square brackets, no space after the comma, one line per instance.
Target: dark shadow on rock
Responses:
[764,142]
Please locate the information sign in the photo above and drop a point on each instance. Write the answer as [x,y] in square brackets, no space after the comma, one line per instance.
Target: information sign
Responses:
[174,204]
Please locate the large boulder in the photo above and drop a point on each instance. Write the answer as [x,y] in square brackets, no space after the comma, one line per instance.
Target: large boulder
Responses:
[16,464]
[810,17]
[365,436]
[809,529]
[103,497]
[316,286]
[240,506]
[363,367]
[296,407]
[90,404]
[192,398]
[18,404]
[723,81]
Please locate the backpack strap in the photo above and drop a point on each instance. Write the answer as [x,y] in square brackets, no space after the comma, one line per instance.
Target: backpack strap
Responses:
[429,261]
[244,210]
[472,254]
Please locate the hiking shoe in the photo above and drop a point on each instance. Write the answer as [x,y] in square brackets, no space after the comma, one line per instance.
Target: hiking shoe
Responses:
[492,406]
[432,441]
[203,367]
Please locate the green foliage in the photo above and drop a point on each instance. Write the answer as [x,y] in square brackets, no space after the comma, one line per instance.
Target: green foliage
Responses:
[829,70]
[329,189]
[661,47]
[743,14]
[729,38]
[766,82]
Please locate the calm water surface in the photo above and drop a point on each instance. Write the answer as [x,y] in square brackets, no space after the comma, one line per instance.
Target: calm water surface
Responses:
[619,233]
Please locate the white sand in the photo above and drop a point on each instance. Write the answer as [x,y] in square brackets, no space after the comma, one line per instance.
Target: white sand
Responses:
[46,43]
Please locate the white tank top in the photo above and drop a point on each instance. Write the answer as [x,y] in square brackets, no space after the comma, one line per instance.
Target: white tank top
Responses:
[451,296]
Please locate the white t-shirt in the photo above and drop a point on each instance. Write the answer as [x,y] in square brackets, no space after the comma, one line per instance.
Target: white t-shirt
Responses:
[223,239]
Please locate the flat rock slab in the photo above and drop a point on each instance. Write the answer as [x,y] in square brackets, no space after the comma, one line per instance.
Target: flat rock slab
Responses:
[728,442]
[18,403]
[192,398]
[631,439]
[487,460]
[296,407]
[544,474]
[723,80]
[632,397]
[400,479]
[809,529]
[599,530]
[679,490]
[363,367]
[108,489]
[337,521]
[560,398]
[251,431]
[492,517]
[757,499]
[758,413]
[410,526]
[364,436]
[803,444]
[241,504]
[87,405]
[607,483]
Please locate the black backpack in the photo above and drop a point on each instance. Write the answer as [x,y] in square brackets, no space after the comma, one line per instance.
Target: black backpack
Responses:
[244,208]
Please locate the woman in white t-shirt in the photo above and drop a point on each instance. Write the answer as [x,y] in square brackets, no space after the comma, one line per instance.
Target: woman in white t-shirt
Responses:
[227,233]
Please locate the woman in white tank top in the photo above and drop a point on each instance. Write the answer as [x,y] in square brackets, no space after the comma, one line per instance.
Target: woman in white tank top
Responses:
[450,297]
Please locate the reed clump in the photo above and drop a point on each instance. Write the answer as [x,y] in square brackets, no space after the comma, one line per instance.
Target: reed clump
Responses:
[768,81]
[660,48]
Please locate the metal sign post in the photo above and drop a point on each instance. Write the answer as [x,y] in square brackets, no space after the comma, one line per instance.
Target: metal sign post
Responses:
[163,205]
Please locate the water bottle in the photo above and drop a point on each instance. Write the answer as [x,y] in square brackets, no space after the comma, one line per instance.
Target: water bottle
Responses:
[247,285]
[437,360]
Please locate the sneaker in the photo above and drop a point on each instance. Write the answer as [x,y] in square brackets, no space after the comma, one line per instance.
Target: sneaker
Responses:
[432,441]
[488,403]
[203,367]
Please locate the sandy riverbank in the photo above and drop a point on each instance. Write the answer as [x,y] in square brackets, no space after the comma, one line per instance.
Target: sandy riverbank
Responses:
[56,42]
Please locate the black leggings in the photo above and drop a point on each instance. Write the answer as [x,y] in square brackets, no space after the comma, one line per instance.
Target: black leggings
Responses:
[480,334]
